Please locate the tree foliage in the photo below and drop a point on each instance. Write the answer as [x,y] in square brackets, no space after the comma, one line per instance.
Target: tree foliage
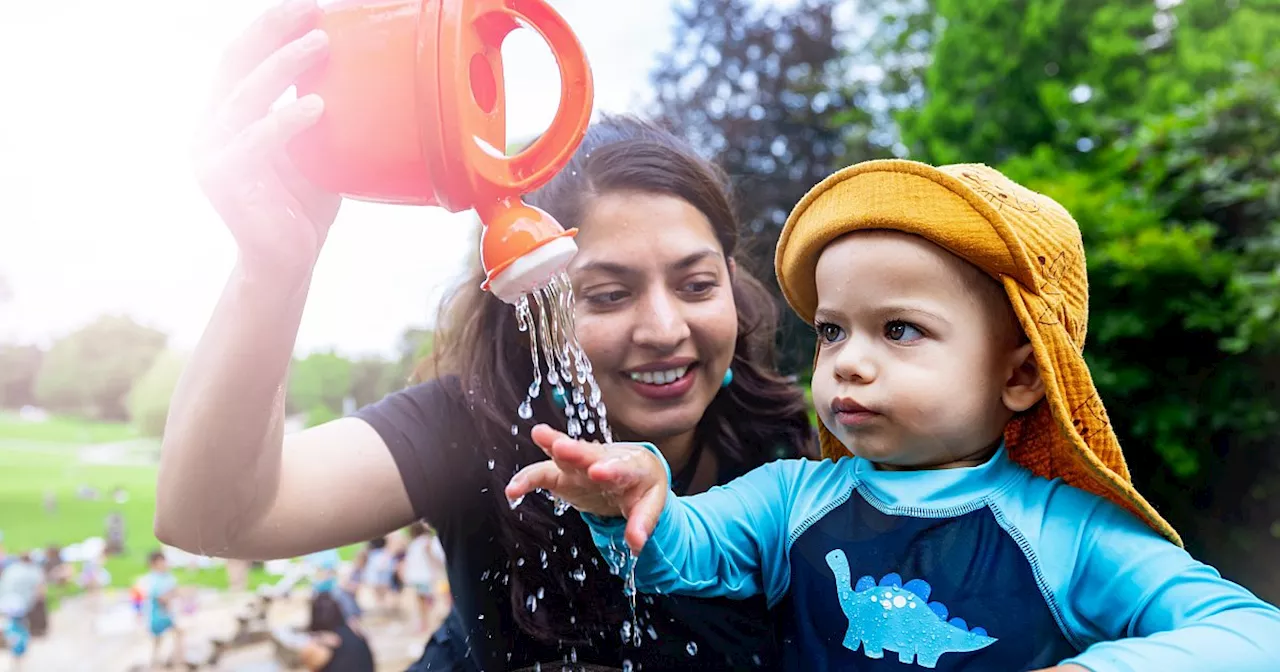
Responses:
[90,371]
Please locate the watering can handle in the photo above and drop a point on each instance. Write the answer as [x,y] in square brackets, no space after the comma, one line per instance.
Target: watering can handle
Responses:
[537,163]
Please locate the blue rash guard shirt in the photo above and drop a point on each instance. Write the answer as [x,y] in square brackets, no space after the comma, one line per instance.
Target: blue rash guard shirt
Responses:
[979,568]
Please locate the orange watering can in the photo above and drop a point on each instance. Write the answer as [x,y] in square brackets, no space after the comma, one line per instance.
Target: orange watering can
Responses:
[415,114]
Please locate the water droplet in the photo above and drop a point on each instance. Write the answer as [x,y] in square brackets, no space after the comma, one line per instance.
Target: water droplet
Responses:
[516,502]
[692,649]
[653,634]
[554,379]
[570,411]
[543,557]
[526,410]
[531,603]
[595,396]
[582,410]
[578,397]
[514,430]
[591,426]
[541,592]
[626,665]
[601,410]
[579,574]
[560,531]
[560,508]
[490,465]
[534,388]
[520,562]
[480,617]
[755,658]
[573,550]
[574,428]
[573,655]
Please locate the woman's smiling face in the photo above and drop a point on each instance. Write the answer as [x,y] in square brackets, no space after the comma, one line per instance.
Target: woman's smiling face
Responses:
[655,311]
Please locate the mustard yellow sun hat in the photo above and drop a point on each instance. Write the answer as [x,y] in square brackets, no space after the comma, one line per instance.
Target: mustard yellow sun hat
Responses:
[1027,242]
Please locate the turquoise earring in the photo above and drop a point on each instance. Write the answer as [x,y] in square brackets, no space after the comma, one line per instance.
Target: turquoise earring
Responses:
[557,395]
[728,377]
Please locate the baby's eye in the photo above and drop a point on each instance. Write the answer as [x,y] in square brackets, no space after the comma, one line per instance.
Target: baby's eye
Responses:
[829,332]
[902,332]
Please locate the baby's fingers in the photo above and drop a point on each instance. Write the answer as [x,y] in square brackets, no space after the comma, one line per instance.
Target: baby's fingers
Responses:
[643,518]
[546,475]
[545,436]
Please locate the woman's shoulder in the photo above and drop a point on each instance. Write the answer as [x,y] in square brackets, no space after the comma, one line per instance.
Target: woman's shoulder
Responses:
[433,408]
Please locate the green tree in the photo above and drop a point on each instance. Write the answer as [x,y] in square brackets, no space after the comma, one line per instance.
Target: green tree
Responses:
[149,398]
[319,381]
[90,371]
[19,365]
[415,346]
[1005,78]
[372,378]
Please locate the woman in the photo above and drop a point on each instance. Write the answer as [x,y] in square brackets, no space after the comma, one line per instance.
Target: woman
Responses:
[334,646]
[658,298]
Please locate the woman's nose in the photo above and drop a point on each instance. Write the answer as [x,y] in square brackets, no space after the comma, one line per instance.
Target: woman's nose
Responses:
[662,323]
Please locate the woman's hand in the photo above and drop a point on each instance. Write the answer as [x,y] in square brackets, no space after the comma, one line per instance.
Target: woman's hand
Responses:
[279,220]
[616,479]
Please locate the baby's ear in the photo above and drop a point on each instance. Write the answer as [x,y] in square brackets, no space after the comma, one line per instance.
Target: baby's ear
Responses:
[1023,387]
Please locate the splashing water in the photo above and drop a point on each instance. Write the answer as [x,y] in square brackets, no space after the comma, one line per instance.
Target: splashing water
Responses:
[548,319]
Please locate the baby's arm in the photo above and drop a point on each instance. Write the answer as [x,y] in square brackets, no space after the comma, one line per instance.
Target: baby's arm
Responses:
[1151,606]
[725,542]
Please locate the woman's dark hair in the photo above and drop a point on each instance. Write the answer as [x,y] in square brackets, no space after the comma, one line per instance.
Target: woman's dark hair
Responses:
[759,417]
[326,613]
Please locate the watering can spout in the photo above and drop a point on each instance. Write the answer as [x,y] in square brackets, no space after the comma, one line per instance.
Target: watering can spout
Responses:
[521,247]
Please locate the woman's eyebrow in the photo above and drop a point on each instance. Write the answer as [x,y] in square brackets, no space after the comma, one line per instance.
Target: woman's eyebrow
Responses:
[617,268]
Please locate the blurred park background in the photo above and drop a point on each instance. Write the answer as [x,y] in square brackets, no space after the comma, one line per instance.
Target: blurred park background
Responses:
[1156,123]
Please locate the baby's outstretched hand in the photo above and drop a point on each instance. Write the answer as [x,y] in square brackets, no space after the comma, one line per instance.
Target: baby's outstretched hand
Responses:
[617,479]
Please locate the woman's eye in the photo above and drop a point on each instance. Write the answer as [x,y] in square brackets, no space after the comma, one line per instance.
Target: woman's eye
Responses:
[829,332]
[699,287]
[902,332]
[606,298]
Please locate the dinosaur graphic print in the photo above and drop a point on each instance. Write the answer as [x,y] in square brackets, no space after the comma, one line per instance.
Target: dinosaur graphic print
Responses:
[890,616]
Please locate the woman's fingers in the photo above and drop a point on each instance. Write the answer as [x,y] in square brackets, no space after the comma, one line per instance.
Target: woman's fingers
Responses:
[270,135]
[272,30]
[266,83]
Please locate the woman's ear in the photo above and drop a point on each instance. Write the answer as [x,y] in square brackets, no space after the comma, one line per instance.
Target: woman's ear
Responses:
[1023,386]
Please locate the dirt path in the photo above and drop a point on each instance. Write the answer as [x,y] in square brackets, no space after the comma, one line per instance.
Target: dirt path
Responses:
[106,635]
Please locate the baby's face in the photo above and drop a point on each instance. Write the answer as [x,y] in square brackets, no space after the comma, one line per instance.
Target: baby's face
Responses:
[915,350]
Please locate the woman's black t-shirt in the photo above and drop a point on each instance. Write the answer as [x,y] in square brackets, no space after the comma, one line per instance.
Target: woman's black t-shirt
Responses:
[429,431]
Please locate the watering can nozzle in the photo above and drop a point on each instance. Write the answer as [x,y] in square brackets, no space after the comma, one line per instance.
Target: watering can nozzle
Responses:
[522,248]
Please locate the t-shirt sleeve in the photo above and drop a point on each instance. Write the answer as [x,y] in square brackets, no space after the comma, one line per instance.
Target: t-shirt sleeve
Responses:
[1135,601]
[427,430]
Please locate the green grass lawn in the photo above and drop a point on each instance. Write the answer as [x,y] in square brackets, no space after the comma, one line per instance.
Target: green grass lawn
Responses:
[48,458]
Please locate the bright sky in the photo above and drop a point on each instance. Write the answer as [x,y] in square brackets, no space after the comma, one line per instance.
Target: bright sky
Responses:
[99,211]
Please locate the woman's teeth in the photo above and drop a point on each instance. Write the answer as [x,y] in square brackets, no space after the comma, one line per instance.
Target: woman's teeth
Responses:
[660,377]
